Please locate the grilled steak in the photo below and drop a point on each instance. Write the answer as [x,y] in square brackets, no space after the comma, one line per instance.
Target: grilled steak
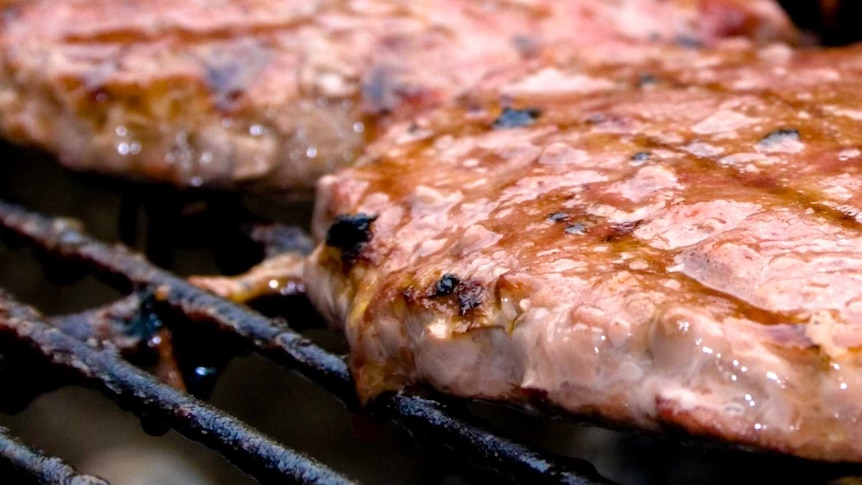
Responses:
[274,93]
[670,239]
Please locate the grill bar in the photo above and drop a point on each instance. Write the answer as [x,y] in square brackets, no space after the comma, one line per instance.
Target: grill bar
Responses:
[273,339]
[33,465]
[107,323]
[134,389]
[430,418]
[279,343]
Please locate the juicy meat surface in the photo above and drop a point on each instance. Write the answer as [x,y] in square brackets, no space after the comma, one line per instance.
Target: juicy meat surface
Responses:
[664,238]
[275,93]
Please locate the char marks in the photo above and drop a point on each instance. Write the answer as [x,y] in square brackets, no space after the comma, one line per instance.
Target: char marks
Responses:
[349,233]
[516,118]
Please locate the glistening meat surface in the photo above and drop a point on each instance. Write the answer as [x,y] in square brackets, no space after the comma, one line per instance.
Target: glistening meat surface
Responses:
[664,238]
[274,93]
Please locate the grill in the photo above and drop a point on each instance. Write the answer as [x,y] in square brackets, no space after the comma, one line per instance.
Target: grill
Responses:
[39,354]
[101,348]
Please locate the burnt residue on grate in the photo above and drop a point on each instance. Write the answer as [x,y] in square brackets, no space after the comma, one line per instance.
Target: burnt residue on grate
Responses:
[140,392]
[271,338]
[124,268]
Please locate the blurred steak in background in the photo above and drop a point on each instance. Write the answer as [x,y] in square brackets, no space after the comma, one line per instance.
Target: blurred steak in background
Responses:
[273,94]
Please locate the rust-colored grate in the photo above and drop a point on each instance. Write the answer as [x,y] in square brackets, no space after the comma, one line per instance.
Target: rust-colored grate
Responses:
[66,348]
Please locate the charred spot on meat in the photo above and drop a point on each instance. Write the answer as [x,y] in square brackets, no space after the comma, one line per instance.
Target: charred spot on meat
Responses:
[516,118]
[557,216]
[778,136]
[349,233]
[470,295]
[526,45]
[615,232]
[688,42]
[446,285]
[640,158]
[576,229]
[647,79]
[596,119]
[380,90]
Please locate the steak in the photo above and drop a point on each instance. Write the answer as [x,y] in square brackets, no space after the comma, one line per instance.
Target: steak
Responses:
[271,94]
[665,238]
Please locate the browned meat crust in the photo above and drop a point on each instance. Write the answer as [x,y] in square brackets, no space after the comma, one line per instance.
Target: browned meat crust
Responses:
[275,93]
[670,239]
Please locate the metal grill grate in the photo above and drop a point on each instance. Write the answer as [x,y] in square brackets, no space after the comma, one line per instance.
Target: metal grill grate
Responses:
[34,465]
[102,368]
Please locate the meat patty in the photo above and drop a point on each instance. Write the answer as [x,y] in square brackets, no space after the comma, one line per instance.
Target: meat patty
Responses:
[666,239]
[274,93]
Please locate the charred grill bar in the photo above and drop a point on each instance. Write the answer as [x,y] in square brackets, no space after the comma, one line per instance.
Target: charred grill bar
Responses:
[38,467]
[138,391]
[255,454]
